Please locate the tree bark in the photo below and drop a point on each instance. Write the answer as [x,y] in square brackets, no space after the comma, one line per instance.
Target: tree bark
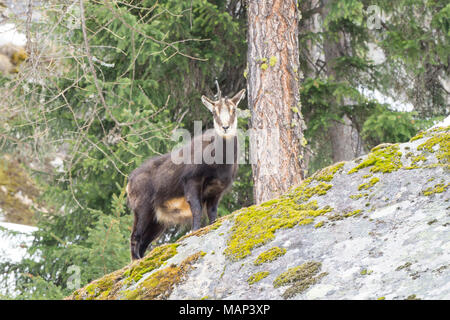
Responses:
[346,142]
[274,97]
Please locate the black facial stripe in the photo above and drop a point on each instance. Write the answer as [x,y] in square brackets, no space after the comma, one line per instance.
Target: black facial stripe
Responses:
[233,114]
[217,119]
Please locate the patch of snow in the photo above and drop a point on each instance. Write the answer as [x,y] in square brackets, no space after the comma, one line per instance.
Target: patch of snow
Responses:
[23,198]
[9,34]
[14,242]
[18,227]
[397,105]
[443,123]
[58,164]
[376,54]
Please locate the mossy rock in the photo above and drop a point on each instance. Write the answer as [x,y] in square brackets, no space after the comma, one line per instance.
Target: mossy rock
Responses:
[355,230]
[256,277]
[269,255]
[18,192]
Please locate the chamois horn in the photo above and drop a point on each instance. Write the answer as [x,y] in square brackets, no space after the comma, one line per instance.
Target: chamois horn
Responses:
[219,93]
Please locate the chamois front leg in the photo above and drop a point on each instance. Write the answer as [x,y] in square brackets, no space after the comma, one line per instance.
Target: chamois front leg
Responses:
[145,230]
[211,208]
[192,192]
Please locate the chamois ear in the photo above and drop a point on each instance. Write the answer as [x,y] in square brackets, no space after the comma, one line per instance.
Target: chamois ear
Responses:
[208,103]
[238,97]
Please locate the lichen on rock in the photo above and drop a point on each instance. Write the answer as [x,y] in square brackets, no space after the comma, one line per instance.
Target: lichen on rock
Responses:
[256,225]
[160,284]
[385,158]
[108,286]
[299,278]
[258,276]
[269,255]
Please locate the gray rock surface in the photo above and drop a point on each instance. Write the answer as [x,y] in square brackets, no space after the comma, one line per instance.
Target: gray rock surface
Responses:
[388,240]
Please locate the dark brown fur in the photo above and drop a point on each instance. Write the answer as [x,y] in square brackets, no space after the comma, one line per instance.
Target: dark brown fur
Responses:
[158,180]
[162,192]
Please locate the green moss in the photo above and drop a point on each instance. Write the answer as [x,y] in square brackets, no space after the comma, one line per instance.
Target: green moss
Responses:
[272,61]
[405,266]
[258,276]
[381,298]
[159,285]
[384,158]
[256,225]
[99,289]
[353,213]
[420,135]
[441,139]
[358,196]
[366,272]
[130,294]
[304,194]
[328,173]
[206,229]
[108,286]
[264,66]
[412,297]
[152,261]
[269,255]
[319,224]
[299,278]
[303,271]
[335,217]
[416,159]
[438,188]
[368,185]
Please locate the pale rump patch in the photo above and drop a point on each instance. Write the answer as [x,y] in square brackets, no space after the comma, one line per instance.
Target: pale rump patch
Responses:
[131,199]
[174,211]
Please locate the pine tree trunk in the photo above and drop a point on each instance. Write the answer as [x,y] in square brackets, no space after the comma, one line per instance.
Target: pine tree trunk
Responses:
[346,142]
[274,97]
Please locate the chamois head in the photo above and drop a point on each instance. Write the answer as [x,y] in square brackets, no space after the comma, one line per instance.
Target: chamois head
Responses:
[224,111]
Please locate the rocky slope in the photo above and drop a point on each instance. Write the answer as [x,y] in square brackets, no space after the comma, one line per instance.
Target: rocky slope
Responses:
[373,228]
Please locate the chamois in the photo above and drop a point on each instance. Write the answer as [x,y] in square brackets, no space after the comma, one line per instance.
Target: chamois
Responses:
[163,192]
